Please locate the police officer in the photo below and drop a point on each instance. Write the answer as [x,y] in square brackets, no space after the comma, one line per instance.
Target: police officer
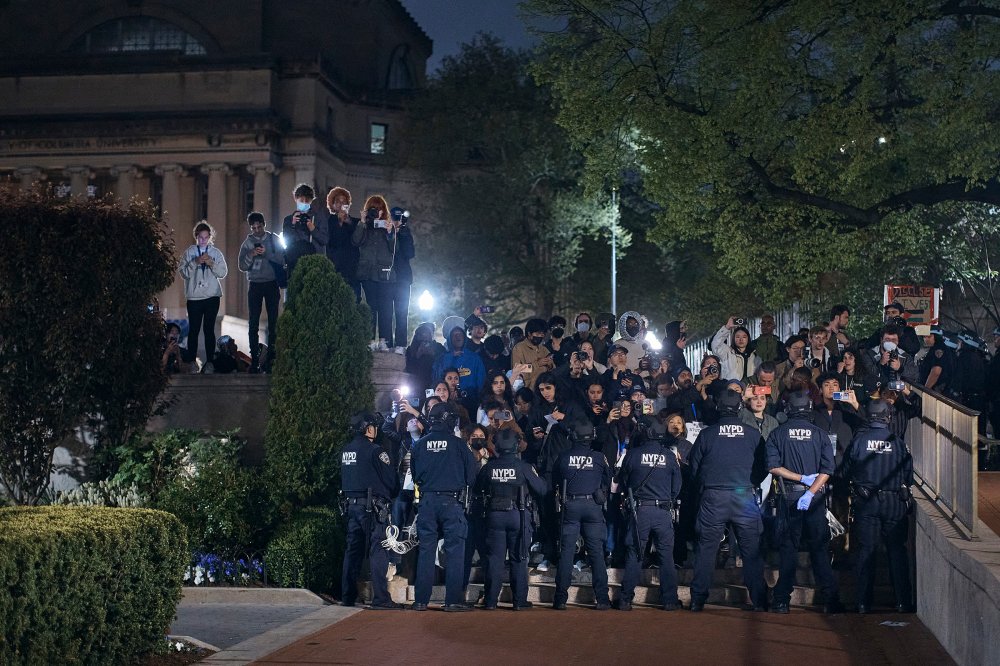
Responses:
[444,469]
[369,482]
[506,481]
[800,456]
[727,464]
[938,365]
[652,479]
[583,479]
[880,469]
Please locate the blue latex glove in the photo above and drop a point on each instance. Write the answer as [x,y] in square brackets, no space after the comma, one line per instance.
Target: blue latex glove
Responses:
[805,500]
[808,479]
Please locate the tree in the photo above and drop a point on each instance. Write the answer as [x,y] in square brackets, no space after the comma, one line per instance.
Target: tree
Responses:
[76,338]
[792,121]
[322,376]
[514,217]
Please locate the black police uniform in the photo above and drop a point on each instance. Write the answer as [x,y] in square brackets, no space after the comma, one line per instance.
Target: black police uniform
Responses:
[583,479]
[727,464]
[880,467]
[364,466]
[506,482]
[970,381]
[651,472]
[443,468]
[942,357]
[801,447]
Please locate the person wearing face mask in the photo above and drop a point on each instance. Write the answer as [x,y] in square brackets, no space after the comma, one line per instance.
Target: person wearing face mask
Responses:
[674,341]
[305,230]
[632,331]
[584,331]
[202,266]
[532,352]
[339,248]
[259,254]
[556,343]
[888,361]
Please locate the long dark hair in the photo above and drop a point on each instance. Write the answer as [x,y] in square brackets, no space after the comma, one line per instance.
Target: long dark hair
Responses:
[487,392]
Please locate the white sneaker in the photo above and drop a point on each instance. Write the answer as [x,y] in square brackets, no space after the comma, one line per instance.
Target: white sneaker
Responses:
[400,350]
[536,547]
[542,566]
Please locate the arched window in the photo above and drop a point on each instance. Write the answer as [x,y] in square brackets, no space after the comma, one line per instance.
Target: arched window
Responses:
[138,34]
[400,76]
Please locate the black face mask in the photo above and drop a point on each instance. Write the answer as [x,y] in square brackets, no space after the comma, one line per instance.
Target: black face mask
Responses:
[558,332]
[632,330]
[477,443]
[537,339]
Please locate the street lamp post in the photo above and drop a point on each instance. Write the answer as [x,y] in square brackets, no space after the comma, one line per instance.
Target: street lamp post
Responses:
[614,251]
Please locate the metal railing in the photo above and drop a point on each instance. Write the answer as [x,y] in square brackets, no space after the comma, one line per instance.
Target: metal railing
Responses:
[944,442]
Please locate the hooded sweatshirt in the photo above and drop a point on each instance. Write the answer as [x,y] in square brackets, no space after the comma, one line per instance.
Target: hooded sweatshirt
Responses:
[471,373]
[634,344]
[264,271]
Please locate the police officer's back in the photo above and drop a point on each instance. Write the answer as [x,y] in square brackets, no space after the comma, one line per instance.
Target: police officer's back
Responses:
[583,479]
[652,478]
[727,464]
[880,469]
[508,482]
[443,468]
[368,482]
[800,456]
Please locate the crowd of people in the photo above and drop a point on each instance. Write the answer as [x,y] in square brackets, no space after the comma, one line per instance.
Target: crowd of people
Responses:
[372,254]
[584,447]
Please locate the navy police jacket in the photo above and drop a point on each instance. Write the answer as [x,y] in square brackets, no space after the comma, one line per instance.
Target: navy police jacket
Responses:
[800,446]
[584,470]
[364,465]
[878,459]
[651,471]
[503,477]
[728,455]
[443,463]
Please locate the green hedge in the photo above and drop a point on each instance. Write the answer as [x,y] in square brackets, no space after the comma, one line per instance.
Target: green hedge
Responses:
[90,585]
[307,552]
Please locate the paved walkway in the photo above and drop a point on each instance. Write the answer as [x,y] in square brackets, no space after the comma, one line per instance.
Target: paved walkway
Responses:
[224,625]
[989,500]
[544,636]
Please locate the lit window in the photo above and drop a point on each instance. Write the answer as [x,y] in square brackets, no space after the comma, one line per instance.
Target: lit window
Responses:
[137,34]
[380,132]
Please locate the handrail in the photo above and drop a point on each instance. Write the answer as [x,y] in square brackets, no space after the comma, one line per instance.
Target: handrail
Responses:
[944,442]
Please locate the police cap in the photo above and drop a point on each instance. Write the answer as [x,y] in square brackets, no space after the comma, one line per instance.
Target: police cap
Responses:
[730,402]
[361,421]
[581,431]
[877,411]
[442,416]
[505,441]
[799,402]
[654,429]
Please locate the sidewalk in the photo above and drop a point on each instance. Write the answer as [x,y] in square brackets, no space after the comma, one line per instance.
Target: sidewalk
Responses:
[579,635]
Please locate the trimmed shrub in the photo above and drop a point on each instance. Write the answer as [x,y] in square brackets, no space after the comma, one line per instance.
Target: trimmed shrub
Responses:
[87,584]
[322,375]
[308,552]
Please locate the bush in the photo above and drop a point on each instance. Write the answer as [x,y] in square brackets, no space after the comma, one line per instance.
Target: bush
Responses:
[89,585]
[322,375]
[308,552]
[225,506]
[77,339]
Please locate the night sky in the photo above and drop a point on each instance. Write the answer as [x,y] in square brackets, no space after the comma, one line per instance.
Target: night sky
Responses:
[452,22]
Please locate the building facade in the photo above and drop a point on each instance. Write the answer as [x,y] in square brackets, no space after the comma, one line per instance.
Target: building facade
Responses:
[211,109]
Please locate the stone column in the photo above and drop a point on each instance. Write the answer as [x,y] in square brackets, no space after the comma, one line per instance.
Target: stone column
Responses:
[125,187]
[79,178]
[218,215]
[307,175]
[29,176]
[172,300]
[263,190]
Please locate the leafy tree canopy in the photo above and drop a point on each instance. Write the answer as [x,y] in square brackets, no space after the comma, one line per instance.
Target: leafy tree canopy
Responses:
[829,131]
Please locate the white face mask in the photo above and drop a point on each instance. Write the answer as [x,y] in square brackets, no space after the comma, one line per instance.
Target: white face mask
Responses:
[583,327]
[889,345]
[345,207]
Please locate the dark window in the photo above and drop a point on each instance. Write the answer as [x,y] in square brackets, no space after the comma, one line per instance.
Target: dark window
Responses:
[379,136]
[138,34]
[400,76]
[201,196]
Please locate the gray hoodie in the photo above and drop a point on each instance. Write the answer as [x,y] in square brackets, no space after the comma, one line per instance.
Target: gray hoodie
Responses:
[263,271]
[201,282]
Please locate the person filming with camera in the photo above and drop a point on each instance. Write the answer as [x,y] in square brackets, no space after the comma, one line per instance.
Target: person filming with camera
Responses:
[888,362]
[304,231]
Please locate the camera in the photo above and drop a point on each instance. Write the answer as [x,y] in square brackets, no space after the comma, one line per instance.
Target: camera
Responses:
[302,217]
[896,385]
[815,362]
[583,356]
[503,415]
[712,370]
[739,321]
[371,214]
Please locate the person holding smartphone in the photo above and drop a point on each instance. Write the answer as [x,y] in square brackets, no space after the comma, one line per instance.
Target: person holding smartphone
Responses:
[259,254]
[203,266]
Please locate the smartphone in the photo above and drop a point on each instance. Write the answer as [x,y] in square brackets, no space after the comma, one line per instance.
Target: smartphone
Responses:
[380,224]
[647,406]
[763,390]
[413,402]
[617,404]
[739,321]
[486,309]
[842,396]
[404,391]
[428,393]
